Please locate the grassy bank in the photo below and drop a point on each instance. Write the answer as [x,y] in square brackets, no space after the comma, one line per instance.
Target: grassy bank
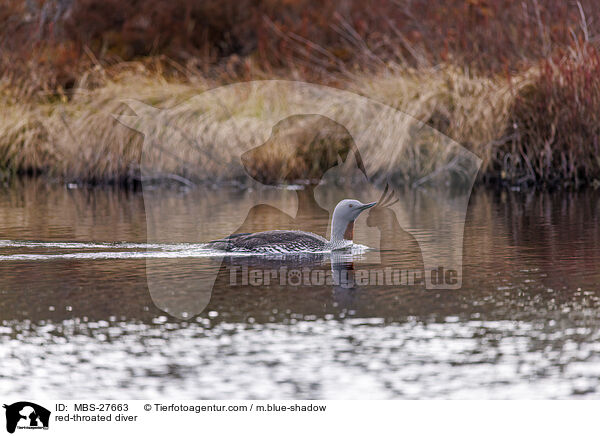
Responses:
[539,127]
[517,83]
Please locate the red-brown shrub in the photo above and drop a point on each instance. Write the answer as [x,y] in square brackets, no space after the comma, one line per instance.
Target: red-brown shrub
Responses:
[555,123]
[309,36]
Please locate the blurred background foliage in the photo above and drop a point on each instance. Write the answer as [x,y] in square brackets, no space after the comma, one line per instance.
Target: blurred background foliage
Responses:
[515,81]
[51,43]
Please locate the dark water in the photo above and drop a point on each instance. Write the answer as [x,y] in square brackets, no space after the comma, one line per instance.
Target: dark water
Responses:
[81,299]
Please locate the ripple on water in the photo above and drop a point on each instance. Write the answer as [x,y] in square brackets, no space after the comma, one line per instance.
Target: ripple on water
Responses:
[72,251]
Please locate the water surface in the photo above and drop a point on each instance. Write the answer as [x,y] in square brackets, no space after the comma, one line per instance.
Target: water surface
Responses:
[78,319]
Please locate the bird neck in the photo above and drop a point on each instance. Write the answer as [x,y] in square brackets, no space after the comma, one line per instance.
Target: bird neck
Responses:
[341,229]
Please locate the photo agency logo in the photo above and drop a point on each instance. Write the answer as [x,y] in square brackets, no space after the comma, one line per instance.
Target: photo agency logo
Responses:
[24,415]
[324,187]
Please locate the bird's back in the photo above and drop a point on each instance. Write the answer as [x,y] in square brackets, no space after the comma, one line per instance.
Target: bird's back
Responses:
[271,241]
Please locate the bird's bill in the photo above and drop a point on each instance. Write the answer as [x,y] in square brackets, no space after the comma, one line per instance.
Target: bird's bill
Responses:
[368,205]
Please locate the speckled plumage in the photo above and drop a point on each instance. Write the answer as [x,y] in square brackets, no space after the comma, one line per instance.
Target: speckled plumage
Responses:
[272,241]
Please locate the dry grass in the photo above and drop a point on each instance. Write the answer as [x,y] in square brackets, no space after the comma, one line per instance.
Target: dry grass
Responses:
[472,110]
[515,82]
[540,127]
[78,138]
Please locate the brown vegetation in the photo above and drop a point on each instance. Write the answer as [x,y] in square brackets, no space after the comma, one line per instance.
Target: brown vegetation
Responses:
[554,125]
[517,82]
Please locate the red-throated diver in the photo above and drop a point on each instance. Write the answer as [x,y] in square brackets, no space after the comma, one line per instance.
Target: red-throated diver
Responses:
[295,241]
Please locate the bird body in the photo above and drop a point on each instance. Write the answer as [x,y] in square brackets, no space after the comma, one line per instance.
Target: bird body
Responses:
[272,241]
[297,241]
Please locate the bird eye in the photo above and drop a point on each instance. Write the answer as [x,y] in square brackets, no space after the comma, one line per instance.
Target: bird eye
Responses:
[349,205]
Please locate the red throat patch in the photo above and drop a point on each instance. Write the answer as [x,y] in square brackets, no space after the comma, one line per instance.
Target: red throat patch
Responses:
[349,233]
